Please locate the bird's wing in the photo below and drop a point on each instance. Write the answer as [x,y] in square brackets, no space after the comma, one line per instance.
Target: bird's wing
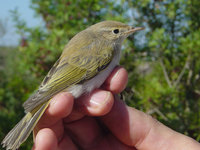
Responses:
[67,71]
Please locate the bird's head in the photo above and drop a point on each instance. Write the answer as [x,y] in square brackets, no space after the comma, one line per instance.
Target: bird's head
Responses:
[113,30]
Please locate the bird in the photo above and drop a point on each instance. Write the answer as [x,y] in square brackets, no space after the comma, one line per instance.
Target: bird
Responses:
[85,63]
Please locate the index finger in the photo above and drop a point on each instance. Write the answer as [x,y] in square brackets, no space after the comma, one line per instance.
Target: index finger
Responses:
[117,80]
[60,106]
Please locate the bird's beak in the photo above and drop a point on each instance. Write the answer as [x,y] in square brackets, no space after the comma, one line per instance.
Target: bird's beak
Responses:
[134,29]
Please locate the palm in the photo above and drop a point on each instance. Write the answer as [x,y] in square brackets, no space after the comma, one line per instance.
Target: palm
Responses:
[98,122]
[87,133]
[78,128]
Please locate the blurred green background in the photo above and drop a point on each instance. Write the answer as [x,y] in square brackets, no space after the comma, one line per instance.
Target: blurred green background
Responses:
[163,61]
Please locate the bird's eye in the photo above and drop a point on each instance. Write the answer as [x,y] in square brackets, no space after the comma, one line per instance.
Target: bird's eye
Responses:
[116,31]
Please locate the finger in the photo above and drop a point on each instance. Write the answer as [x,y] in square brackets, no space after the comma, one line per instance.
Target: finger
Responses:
[87,135]
[85,132]
[57,128]
[117,80]
[113,142]
[60,106]
[66,144]
[98,103]
[135,128]
[45,140]
[127,124]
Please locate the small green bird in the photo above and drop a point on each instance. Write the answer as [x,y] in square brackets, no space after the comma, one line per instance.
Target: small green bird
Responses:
[86,62]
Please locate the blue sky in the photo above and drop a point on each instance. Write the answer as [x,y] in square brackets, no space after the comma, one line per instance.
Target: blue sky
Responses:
[26,13]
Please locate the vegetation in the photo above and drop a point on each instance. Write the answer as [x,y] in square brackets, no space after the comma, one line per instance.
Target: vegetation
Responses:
[162,61]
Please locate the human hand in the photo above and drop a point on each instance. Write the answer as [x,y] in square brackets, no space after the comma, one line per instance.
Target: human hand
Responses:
[97,122]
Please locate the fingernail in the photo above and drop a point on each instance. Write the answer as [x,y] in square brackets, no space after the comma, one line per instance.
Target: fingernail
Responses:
[99,98]
[115,76]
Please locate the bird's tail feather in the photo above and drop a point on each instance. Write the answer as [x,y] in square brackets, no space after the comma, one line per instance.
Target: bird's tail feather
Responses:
[23,129]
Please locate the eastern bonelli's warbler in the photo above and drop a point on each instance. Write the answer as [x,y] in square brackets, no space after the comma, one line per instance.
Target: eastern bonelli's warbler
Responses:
[85,63]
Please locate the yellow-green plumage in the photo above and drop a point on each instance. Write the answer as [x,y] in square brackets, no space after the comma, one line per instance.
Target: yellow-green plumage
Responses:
[85,63]
[75,65]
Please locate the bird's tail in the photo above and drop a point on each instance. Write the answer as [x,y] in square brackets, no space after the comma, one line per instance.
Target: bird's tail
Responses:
[23,129]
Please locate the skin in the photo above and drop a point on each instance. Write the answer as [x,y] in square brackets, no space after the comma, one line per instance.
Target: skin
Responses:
[97,121]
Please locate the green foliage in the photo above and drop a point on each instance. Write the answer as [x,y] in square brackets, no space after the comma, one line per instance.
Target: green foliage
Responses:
[163,67]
